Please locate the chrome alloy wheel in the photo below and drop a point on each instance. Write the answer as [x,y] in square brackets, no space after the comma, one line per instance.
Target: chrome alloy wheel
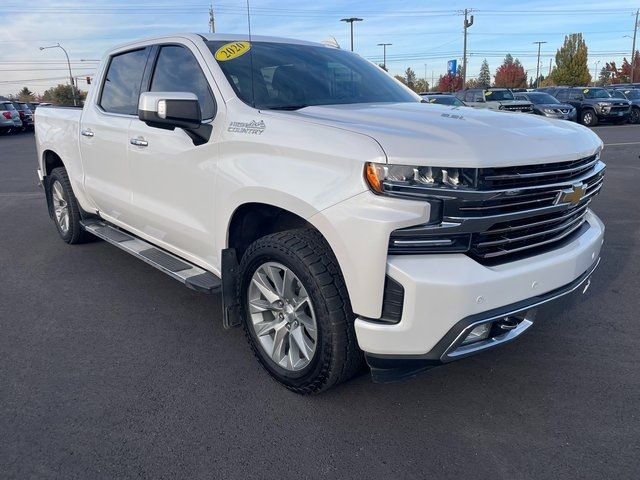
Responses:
[282,316]
[60,206]
[587,118]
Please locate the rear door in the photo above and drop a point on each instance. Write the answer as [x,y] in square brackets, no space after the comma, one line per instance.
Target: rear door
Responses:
[174,180]
[104,130]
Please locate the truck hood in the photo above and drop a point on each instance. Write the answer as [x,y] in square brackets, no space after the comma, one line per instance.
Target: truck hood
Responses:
[441,135]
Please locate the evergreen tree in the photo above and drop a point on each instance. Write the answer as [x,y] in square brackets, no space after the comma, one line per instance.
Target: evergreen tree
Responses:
[484,79]
[26,95]
[410,78]
[571,62]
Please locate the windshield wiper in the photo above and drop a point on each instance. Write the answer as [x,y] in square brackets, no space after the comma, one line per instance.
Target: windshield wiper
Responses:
[287,107]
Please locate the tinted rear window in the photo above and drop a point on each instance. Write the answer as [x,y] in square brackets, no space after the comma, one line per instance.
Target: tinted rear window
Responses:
[122,84]
[7,106]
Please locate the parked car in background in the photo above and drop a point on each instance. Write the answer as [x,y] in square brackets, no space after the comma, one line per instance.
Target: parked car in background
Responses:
[442,98]
[548,106]
[594,105]
[494,99]
[9,117]
[26,115]
[633,96]
[33,105]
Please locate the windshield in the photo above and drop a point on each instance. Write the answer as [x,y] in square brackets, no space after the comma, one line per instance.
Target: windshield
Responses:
[289,76]
[596,93]
[443,100]
[632,94]
[542,98]
[498,95]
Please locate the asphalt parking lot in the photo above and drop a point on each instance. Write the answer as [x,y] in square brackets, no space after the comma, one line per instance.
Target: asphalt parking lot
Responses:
[110,369]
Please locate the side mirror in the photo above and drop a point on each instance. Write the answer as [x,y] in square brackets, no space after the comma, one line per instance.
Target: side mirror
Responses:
[171,110]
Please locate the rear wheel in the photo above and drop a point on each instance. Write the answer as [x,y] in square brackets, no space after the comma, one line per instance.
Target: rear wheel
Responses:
[634,116]
[296,311]
[64,207]
[589,118]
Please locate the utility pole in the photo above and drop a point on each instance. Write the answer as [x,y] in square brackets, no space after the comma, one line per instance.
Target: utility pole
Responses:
[350,21]
[73,86]
[212,20]
[538,64]
[384,51]
[595,72]
[425,73]
[550,61]
[633,48]
[467,23]
[432,78]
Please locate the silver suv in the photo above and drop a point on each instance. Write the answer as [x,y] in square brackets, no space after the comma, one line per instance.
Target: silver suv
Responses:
[494,99]
[9,117]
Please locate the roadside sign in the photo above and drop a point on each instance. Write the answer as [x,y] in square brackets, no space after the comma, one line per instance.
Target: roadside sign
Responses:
[452,67]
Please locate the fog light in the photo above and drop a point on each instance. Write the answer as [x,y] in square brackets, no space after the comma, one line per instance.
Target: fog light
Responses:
[481,332]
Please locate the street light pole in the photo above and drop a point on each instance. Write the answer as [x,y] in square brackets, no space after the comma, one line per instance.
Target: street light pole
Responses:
[633,48]
[538,64]
[384,53]
[595,72]
[350,21]
[73,87]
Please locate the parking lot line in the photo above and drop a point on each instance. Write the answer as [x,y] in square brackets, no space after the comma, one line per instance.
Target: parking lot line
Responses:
[620,144]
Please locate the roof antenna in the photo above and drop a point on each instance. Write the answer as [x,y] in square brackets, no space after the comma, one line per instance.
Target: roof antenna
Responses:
[253,90]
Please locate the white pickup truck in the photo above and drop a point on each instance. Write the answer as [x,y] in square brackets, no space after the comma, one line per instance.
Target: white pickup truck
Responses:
[342,218]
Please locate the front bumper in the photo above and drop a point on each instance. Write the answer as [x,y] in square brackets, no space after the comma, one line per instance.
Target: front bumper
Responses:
[445,294]
[613,114]
[572,115]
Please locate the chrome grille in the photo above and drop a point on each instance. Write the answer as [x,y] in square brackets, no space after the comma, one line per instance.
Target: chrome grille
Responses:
[513,212]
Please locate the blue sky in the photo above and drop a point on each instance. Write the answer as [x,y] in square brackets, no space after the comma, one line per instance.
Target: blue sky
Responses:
[421,32]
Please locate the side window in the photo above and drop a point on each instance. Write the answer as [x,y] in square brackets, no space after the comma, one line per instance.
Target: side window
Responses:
[562,95]
[469,96]
[478,97]
[576,95]
[177,70]
[122,83]
[617,94]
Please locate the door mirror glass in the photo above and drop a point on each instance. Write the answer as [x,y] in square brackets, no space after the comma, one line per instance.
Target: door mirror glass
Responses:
[170,110]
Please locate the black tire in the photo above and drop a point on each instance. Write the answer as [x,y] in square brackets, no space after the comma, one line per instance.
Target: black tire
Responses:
[588,118]
[75,233]
[634,116]
[337,356]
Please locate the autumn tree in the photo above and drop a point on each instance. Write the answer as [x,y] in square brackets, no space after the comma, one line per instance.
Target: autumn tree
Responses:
[484,79]
[571,62]
[604,78]
[449,83]
[511,74]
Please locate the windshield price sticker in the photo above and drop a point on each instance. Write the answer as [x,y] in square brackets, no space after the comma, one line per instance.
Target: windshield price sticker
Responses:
[487,93]
[232,50]
[586,90]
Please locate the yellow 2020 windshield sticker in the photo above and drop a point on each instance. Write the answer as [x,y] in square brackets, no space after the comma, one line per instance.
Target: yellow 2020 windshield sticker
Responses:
[232,50]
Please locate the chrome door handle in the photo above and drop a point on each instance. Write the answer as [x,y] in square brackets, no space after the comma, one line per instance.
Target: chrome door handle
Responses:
[87,133]
[138,142]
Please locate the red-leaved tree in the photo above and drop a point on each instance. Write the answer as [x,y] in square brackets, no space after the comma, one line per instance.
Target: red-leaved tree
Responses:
[449,83]
[511,74]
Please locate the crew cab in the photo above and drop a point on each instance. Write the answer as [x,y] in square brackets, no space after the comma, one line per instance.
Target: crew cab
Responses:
[341,218]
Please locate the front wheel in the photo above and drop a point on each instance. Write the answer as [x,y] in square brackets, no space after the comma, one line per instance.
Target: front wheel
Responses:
[296,311]
[634,116]
[589,118]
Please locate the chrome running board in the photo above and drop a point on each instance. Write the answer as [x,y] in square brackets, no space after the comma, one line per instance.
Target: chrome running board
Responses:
[189,274]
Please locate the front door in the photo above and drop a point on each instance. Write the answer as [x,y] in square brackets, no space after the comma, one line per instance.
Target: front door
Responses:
[174,180]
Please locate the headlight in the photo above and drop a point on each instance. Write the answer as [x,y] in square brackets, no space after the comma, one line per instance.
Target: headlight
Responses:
[417,181]
[549,110]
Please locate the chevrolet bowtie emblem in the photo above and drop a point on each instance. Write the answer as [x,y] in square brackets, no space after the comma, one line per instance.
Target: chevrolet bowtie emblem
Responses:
[574,195]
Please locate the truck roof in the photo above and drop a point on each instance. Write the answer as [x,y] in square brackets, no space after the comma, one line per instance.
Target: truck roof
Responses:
[218,36]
